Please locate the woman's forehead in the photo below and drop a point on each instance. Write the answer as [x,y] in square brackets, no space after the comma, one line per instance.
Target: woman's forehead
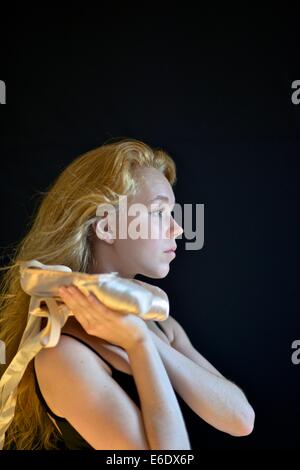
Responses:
[157,192]
[153,184]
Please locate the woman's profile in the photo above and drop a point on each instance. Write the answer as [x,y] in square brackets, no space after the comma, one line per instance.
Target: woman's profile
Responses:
[110,382]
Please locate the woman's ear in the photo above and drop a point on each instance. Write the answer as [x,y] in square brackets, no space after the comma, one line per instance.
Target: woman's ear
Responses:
[102,231]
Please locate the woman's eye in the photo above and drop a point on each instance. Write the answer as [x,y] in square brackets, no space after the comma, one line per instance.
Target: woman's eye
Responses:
[159,211]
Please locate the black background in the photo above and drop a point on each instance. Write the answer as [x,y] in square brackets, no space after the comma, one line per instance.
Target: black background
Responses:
[214,90]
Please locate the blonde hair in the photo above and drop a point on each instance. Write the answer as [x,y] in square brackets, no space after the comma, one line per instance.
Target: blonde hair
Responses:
[60,234]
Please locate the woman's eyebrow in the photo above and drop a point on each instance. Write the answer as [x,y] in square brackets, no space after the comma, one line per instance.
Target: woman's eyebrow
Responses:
[160,197]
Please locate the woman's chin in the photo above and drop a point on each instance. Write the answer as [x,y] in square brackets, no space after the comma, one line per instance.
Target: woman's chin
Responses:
[160,272]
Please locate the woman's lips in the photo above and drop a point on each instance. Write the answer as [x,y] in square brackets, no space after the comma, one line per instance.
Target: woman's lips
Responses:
[170,252]
[171,249]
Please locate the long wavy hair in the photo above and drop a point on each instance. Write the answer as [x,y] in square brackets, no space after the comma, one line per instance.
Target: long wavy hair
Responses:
[60,233]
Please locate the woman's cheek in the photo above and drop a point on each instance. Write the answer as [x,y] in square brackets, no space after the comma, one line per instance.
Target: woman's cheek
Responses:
[156,232]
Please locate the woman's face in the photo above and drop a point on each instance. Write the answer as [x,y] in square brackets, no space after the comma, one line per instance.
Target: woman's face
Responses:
[146,254]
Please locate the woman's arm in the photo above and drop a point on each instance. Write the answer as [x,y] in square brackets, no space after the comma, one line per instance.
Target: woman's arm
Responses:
[163,421]
[210,395]
[93,402]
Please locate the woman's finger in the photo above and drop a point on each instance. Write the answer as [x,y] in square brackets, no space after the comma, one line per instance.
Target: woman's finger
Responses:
[74,302]
[76,297]
[80,313]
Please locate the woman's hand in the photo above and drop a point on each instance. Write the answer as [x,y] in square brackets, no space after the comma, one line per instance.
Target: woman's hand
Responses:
[118,328]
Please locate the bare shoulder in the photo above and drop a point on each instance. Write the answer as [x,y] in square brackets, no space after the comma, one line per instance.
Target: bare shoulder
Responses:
[69,351]
[172,328]
[68,357]
[173,325]
[77,386]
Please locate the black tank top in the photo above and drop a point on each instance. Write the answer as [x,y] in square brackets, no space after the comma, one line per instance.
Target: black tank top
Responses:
[72,440]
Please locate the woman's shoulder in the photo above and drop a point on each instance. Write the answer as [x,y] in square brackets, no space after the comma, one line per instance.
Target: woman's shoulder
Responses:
[70,352]
[168,327]
[59,368]
[78,387]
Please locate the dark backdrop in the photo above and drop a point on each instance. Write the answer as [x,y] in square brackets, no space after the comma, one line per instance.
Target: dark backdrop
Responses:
[215,92]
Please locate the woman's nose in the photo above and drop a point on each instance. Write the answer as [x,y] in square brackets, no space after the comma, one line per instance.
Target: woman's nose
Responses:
[176,229]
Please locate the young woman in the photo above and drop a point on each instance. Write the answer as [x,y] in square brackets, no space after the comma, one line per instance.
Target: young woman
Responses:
[110,382]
